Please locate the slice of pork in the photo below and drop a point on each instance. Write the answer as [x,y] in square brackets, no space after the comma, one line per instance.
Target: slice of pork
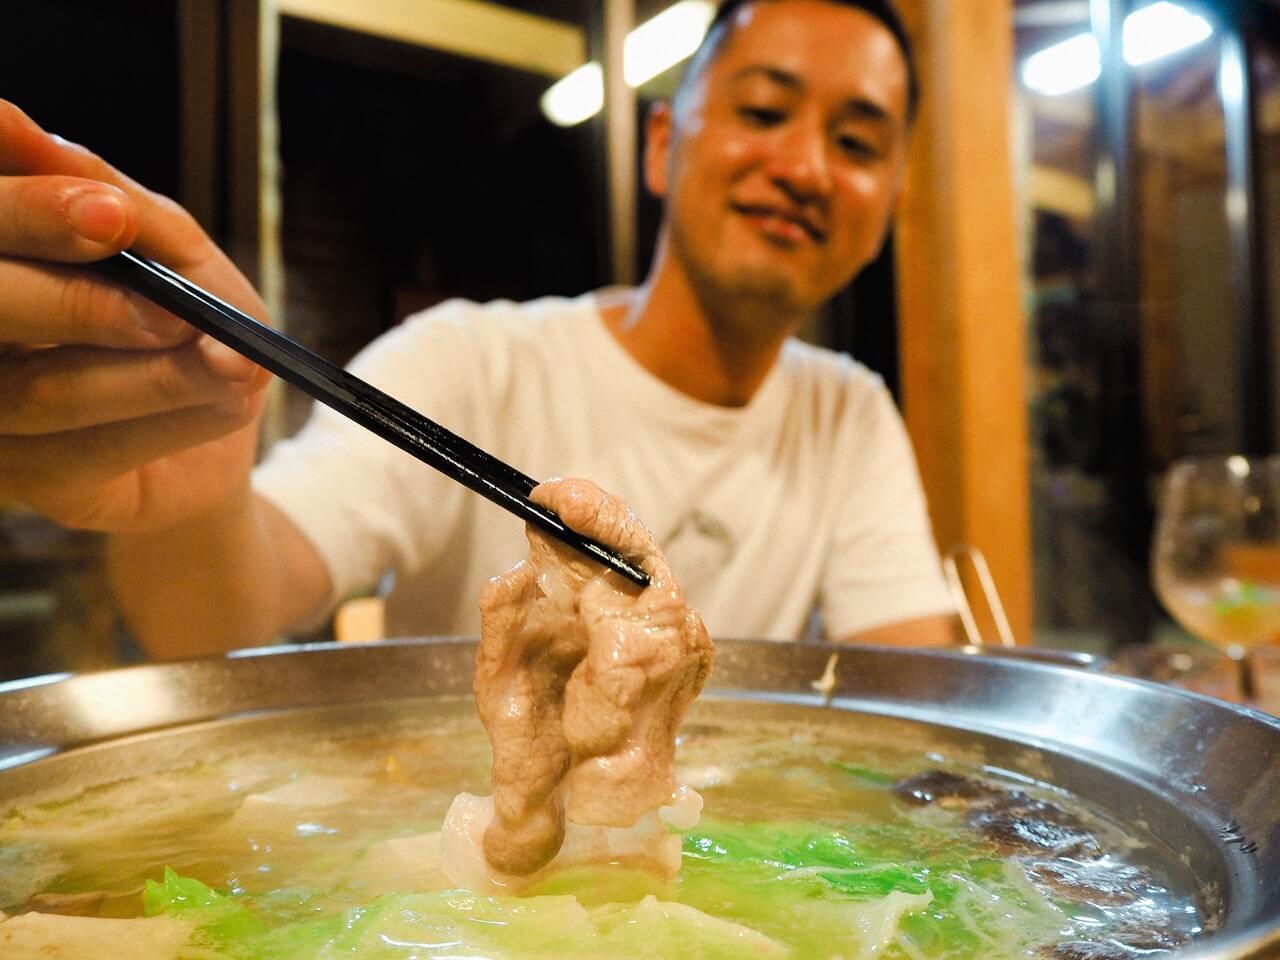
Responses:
[582,680]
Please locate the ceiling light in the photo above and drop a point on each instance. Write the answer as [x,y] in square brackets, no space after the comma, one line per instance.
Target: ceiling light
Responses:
[1064,67]
[576,96]
[651,48]
[1155,31]
[662,42]
[1161,29]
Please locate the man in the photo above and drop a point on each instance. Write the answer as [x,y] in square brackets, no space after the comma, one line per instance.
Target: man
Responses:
[777,477]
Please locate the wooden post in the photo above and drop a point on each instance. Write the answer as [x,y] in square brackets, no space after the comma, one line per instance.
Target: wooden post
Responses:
[1160,338]
[620,142]
[199,85]
[963,338]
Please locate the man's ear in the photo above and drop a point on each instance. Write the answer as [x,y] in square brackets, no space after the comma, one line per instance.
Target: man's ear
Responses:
[657,147]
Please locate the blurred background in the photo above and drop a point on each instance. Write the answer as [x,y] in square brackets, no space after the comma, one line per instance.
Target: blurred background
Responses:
[365,160]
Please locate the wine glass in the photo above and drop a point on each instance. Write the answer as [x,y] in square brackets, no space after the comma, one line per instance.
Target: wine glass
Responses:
[1216,557]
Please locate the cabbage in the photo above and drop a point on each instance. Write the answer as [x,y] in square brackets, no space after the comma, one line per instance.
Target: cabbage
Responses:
[25,870]
[768,890]
[47,936]
[220,918]
[807,886]
[450,922]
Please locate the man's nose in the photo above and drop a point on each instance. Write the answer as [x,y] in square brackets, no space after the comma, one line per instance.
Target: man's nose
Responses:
[800,163]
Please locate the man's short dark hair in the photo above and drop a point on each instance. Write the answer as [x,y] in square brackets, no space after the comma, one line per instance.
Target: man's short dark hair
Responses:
[881,10]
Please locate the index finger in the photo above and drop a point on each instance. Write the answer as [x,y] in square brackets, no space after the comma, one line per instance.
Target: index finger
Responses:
[165,231]
[66,219]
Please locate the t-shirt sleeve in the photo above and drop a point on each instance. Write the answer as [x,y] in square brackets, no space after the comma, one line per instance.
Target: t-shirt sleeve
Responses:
[366,505]
[883,566]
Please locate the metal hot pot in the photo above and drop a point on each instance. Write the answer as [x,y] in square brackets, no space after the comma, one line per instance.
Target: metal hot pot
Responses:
[1201,775]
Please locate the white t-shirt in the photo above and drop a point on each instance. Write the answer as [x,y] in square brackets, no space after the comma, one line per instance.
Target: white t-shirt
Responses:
[806,496]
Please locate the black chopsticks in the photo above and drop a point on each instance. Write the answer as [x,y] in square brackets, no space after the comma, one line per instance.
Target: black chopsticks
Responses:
[353,398]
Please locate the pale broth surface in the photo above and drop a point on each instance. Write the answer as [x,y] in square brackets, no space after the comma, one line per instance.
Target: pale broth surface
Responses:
[312,846]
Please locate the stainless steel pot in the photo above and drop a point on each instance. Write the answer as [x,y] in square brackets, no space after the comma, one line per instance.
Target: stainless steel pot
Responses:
[1198,775]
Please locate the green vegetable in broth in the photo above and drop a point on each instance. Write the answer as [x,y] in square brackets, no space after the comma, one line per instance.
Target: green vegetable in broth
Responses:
[446,922]
[774,889]
[800,883]
[455,922]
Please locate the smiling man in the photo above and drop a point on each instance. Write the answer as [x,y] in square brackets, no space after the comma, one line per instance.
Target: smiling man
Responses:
[780,163]
[776,476]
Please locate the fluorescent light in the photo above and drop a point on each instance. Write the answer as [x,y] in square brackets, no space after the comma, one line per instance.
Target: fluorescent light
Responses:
[1231,80]
[662,42]
[656,45]
[1155,31]
[1064,67]
[1161,29]
[576,96]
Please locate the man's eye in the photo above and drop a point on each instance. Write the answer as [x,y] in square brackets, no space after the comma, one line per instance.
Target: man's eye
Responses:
[761,116]
[857,147]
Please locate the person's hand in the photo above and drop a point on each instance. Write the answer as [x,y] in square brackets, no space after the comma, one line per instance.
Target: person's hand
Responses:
[114,415]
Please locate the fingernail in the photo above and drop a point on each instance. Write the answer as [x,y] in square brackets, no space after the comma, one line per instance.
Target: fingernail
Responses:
[98,216]
[225,361]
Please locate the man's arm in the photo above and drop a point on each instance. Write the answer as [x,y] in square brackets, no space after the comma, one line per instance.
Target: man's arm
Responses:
[235,576]
[933,631]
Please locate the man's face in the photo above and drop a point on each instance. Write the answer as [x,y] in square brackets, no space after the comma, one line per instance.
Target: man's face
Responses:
[781,164]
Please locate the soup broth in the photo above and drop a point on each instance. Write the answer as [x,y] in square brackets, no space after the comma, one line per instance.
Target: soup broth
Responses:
[815,842]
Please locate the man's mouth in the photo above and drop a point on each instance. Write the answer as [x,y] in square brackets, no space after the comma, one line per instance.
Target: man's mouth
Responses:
[781,222]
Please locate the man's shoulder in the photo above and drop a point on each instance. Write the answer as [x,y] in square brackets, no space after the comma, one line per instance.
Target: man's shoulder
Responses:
[518,318]
[823,367]
[834,394]
[457,338]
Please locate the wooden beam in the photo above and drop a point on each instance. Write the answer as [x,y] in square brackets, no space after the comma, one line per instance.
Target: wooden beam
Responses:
[1061,192]
[964,362]
[471,28]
